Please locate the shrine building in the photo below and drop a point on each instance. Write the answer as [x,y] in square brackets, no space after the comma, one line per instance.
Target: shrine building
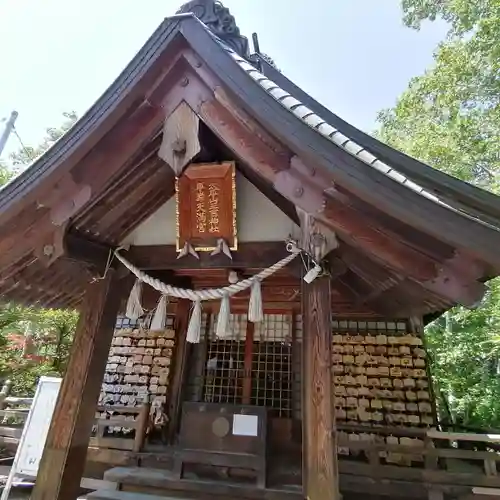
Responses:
[253,276]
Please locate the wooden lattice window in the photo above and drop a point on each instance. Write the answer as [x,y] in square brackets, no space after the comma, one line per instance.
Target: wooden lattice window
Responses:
[254,366]
[272,365]
[224,369]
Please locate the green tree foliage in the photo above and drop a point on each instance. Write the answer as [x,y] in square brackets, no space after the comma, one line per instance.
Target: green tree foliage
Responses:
[6,172]
[20,159]
[48,335]
[27,155]
[450,118]
[465,363]
[49,332]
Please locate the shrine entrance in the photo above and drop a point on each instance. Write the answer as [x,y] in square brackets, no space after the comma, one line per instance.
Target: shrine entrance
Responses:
[275,265]
[260,366]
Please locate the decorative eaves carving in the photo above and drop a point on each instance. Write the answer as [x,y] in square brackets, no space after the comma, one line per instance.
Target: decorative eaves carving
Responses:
[219,21]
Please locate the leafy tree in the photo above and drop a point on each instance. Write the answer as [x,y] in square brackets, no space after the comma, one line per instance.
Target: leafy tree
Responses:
[465,363]
[27,155]
[20,159]
[48,335]
[449,117]
[50,332]
[6,173]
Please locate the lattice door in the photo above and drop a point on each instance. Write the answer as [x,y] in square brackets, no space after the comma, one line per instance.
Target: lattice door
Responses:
[224,370]
[255,366]
[272,377]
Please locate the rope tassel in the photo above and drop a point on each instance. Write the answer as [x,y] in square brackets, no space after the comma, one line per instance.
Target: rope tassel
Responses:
[160,318]
[222,329]
[134,308]
[194,329]
[255,310]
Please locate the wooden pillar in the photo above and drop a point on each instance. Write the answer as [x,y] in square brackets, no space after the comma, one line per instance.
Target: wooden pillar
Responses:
[320,470]
[247,368]
[182,352]
[63,459]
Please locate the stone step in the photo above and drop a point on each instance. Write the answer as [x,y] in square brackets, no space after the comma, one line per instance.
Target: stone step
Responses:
[163,479]
[124,495]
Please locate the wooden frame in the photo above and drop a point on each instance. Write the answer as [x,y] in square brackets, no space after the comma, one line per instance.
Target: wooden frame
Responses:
[198,214]
[222,450]
[139,425]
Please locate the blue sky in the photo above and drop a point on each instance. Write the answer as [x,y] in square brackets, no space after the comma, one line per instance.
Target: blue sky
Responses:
[355,56]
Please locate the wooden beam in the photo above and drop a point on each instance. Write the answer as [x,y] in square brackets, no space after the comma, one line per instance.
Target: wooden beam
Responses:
[319,434]
[93,172]
[63,459]
[152,175]
[248,255]
[182,351]
[88,252]
[244,139]
[247,367]
[274,163]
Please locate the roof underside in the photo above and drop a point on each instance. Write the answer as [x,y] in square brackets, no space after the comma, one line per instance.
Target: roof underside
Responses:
[411,236]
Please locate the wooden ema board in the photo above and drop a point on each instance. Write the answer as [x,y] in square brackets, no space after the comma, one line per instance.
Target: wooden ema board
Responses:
[380,381]
[32,442]
[138,369]
[206,206]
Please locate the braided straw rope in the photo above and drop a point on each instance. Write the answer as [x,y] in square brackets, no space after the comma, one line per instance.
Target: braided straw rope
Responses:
[214,293]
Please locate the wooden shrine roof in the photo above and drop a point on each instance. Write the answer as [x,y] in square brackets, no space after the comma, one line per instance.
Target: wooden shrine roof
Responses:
[411,237]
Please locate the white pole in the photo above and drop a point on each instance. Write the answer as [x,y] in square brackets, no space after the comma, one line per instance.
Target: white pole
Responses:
[9,126]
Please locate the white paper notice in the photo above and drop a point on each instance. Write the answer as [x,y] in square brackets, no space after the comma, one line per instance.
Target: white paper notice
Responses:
[245,425]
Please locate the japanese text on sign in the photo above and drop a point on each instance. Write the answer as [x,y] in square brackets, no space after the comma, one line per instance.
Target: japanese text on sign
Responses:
[207,208]
[213,208]
[201,213]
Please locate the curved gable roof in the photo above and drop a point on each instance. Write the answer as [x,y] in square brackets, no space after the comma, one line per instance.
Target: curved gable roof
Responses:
[448,188]
[347,162]
[456,215]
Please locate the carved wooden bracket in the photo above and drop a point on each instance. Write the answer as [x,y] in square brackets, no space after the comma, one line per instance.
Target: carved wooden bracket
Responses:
[307,187]
[52,246]
[65,199]
[317,238]
[180,138]
[449,283]
[300,192]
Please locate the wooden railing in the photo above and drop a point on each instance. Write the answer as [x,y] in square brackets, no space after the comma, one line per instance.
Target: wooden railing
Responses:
[14,410]
[139,425]
[13,413]
[455,460]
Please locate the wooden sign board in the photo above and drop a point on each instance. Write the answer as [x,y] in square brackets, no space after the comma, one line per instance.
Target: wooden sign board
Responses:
[206,206]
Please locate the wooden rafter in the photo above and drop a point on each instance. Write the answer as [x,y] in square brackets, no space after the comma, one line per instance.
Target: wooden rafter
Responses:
[247,140]
[105,178]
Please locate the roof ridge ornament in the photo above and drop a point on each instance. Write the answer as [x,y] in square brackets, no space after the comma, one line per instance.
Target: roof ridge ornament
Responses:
[220,22]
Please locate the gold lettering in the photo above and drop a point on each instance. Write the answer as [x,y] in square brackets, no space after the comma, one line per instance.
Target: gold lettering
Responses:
[200,192]
[213,208]
[201,213]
